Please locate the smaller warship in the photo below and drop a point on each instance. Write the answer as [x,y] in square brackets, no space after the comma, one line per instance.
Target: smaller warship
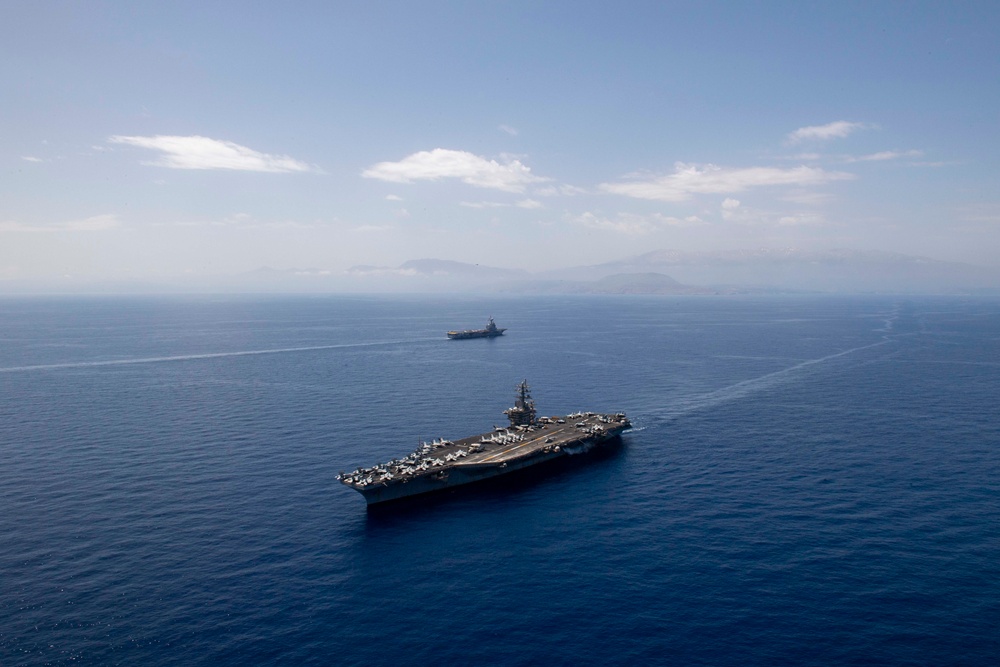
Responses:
[527,441]
[491,331]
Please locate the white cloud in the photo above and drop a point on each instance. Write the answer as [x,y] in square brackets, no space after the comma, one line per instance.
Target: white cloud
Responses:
[524,203]
[835,130]
[555,190]
[483,204]
[873,157]
[511,176]
[729,203]
[315,273]
[983,212]
[97,223]
[393,198]
[688,180]
[31,158]
[806,198]
[374,229]
[508,129]
[380,271]
[11,226]
[241,221]
[237,219]
[743,215]
[203,153]
[800,219]
[635,225]
[887,155]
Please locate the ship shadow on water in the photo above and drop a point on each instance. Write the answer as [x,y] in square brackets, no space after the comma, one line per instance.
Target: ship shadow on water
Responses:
[496,490]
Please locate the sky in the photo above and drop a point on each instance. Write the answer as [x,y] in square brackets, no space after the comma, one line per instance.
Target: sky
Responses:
[151,141]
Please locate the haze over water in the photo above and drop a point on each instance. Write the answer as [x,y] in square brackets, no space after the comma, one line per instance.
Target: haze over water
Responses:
[810,481]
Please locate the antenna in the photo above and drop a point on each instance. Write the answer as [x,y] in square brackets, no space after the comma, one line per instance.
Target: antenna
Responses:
[523,412]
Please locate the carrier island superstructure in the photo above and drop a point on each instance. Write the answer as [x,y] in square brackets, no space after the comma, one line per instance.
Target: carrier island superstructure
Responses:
[527,441]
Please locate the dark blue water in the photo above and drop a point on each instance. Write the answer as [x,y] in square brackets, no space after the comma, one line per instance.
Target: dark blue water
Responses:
[811,481]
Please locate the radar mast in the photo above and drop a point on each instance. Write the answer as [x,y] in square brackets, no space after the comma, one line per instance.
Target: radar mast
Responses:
[523,412]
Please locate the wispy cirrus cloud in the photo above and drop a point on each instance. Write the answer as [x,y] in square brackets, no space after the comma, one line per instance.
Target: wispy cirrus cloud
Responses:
[634,225]
[196,152]
[374,229]
[800,220]
[807,198]
[524,203]
[380,271]
[733,211]
[96,223]
[508,129]
[440,163]
[559,190]
[835,130]
[881,156]
[802,157]
[243,221]
[887,155]
[689,180]
[483,204]
[31,158]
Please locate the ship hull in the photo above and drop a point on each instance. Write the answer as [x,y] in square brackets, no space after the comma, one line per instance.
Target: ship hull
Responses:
[463,474]
[461,335]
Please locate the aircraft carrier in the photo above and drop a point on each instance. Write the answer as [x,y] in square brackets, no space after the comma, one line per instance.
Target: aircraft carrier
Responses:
[491,331]
[527,441]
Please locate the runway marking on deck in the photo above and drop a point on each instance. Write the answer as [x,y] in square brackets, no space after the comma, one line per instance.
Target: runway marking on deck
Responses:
[506,452]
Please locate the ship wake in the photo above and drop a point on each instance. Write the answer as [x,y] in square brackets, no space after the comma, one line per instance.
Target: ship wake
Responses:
[196,357]
[746,388]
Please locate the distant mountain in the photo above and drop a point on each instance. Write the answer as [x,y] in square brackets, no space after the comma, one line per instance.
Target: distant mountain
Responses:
[622,283]
[793,269]
[764,270]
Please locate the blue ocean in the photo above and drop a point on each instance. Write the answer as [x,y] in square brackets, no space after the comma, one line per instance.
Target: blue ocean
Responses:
[809,481]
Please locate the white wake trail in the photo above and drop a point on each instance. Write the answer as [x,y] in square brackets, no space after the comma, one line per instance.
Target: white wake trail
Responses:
[747,387]
[190,357]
